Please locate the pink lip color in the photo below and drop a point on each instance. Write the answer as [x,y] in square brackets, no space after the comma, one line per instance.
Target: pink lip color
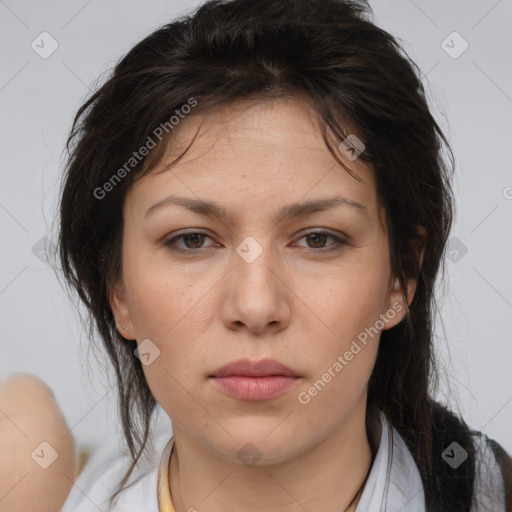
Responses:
[254,388]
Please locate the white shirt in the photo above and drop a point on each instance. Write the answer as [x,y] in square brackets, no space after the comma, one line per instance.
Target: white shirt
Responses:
[393,485]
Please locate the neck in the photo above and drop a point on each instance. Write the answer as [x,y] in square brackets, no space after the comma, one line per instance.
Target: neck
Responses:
[325,477]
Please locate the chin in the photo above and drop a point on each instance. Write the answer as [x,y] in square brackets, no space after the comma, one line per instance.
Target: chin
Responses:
[253,446]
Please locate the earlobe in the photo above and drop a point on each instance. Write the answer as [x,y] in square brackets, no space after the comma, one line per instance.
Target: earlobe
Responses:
[397,301]
[398,304]
[121,311]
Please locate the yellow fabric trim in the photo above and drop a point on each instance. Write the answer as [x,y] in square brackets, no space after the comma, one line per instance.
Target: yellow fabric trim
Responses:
[164,492]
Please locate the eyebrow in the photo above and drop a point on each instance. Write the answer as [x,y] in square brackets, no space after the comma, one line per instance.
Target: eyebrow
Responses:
[288,212]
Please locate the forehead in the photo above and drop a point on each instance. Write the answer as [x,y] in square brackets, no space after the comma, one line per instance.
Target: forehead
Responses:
[252,154]
[286,127]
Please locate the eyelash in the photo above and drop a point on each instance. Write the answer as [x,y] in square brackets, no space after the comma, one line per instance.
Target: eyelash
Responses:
[170,244]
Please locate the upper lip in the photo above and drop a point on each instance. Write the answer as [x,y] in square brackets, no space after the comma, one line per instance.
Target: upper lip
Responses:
[248,368]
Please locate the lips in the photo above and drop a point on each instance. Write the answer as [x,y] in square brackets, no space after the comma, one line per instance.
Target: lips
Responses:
[248,368]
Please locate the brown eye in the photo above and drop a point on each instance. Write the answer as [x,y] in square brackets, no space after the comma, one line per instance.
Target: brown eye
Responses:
[190,242]
[193,240]
[318,239]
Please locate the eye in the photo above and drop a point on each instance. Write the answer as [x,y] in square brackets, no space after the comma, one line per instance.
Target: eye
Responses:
[318,239]
[193,240]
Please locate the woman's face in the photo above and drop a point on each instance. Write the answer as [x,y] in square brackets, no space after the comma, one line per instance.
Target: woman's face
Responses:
[253,284]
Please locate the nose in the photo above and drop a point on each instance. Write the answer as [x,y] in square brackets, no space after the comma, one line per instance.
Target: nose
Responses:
[257,297]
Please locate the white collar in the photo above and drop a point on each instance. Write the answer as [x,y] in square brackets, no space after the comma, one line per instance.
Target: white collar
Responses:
[394,483]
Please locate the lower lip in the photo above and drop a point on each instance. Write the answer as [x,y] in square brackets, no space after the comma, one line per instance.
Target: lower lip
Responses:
[254,388]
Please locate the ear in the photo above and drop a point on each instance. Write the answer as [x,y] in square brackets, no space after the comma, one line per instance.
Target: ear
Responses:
[121,311]
[398,305]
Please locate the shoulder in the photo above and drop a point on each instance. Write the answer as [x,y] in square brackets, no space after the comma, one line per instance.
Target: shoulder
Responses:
[492,470]
[492,465]
[28,412]
[99,479]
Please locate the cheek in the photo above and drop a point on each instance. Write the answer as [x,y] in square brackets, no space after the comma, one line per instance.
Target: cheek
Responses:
[343,311]
[164,299]
[343,356]
[347,301]
[172,310]
[347,339]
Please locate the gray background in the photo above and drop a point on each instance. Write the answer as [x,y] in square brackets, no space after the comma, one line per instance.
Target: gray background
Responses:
[472,100]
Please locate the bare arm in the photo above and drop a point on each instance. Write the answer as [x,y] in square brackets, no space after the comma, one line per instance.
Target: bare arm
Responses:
[38,461]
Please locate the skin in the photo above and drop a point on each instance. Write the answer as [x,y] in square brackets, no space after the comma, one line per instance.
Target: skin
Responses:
[302,301]
[30,416]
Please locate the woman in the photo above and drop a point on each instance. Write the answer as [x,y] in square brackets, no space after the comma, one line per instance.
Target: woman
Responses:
[255,212]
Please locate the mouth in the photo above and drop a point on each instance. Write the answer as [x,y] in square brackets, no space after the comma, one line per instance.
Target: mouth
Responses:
[246,380]
[247,368]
